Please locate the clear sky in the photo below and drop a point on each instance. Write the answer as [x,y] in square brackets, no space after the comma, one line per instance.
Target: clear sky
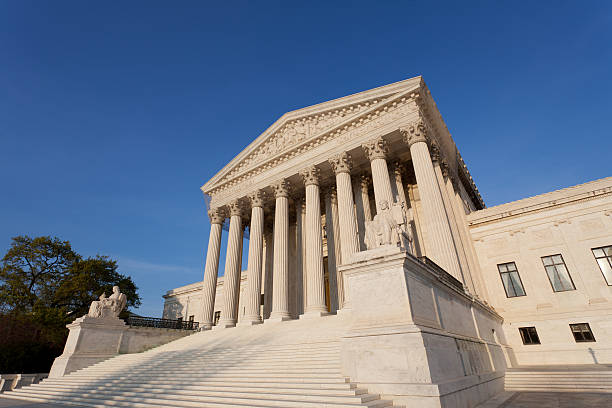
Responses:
[114,113]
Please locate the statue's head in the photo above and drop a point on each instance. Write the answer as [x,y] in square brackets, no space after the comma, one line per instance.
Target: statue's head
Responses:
[115,289]
[384,205]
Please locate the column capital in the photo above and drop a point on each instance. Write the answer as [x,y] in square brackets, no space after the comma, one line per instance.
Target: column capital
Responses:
[434,151]
[341,163]
[365,181]
[414,133]
[216,216]
[376,149]
[311,175]
[398,167]
[444,168]
[332,194]
[257,198]
[281,188]
[235,208]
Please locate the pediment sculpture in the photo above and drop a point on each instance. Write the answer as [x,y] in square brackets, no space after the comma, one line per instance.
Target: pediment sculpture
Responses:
[389,227]
[108,306]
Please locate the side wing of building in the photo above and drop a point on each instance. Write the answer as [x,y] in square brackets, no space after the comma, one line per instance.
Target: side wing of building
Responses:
[546,262]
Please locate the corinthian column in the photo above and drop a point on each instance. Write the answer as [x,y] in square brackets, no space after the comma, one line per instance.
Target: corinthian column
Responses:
[441,248]
[233,262]
[333,246]
[376,151]
[315,292]
[280,282]
[253,294]
[211,270]
[349,241]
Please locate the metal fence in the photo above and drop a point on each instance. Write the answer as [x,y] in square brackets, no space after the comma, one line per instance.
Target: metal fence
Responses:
[162,323]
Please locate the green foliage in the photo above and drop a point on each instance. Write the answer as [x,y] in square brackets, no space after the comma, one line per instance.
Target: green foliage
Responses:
[44,285]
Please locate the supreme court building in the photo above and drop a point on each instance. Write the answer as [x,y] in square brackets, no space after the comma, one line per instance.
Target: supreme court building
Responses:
[362,207]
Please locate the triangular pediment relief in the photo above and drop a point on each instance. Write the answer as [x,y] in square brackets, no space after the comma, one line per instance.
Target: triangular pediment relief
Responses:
[297,127]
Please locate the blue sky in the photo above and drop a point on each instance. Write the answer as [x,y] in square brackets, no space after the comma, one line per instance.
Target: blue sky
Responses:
[113,114]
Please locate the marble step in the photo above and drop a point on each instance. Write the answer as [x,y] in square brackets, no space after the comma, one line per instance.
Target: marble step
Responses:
[191,395]
[263,383]
[227,370]
[213,371]
[246,363]
[349,389]
[99,399]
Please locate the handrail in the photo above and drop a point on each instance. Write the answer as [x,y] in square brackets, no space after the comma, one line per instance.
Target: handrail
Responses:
[162,323]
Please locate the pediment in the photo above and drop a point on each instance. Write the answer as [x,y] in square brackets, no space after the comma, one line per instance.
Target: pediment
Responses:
[296,127]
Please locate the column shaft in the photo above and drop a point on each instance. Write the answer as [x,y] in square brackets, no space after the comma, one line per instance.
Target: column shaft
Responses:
[349,241]
[315,292]
[211,270]
[253,294]
[280,283]
[443,251]
[333,248]
[299,246]
[231,279]
[382,184]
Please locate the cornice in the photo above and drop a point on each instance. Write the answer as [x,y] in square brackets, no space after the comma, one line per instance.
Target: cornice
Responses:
[539,203]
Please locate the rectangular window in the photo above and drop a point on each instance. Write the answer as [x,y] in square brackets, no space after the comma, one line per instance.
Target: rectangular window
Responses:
[529,335]
[603,256]
[217,317]
[511,279]
[191,318]
[582,332]
[559,277]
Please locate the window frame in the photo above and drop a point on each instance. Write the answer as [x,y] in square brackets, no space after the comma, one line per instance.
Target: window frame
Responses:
[537,337]
[569,275]
[606,257]
[584,340]
[519,278]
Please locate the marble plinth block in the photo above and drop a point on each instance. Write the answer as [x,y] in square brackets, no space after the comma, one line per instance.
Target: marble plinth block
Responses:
[91,340]
[416,337]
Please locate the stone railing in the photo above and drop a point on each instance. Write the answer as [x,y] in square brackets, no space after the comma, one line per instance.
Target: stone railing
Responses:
[9,382]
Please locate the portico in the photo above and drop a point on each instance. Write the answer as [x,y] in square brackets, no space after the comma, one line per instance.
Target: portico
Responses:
[321,174]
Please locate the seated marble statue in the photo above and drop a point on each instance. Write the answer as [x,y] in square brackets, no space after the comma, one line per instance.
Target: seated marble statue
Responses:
[108,306]
[389,227]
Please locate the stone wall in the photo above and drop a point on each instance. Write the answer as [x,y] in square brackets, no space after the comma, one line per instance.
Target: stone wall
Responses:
[569,222]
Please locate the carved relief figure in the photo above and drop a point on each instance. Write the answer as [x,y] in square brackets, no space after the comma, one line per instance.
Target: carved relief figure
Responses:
[108,307]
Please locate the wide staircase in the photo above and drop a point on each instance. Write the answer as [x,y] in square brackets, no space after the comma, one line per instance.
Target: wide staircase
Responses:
[562,378]
[289,364]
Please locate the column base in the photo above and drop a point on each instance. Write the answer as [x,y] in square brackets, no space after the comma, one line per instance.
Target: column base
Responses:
[224,325]
[276,319]
[249,322]
[313,314]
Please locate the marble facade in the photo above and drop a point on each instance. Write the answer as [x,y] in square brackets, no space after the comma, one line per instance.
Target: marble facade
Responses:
[431,322]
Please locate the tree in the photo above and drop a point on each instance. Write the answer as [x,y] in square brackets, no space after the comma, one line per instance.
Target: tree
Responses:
[32,270]
[45,284]
[45,275]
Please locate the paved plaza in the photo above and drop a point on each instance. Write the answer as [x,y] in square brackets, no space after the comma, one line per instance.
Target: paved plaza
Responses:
[549,400]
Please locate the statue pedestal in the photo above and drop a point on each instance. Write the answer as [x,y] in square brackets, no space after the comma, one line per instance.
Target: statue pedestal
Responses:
[91,340]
